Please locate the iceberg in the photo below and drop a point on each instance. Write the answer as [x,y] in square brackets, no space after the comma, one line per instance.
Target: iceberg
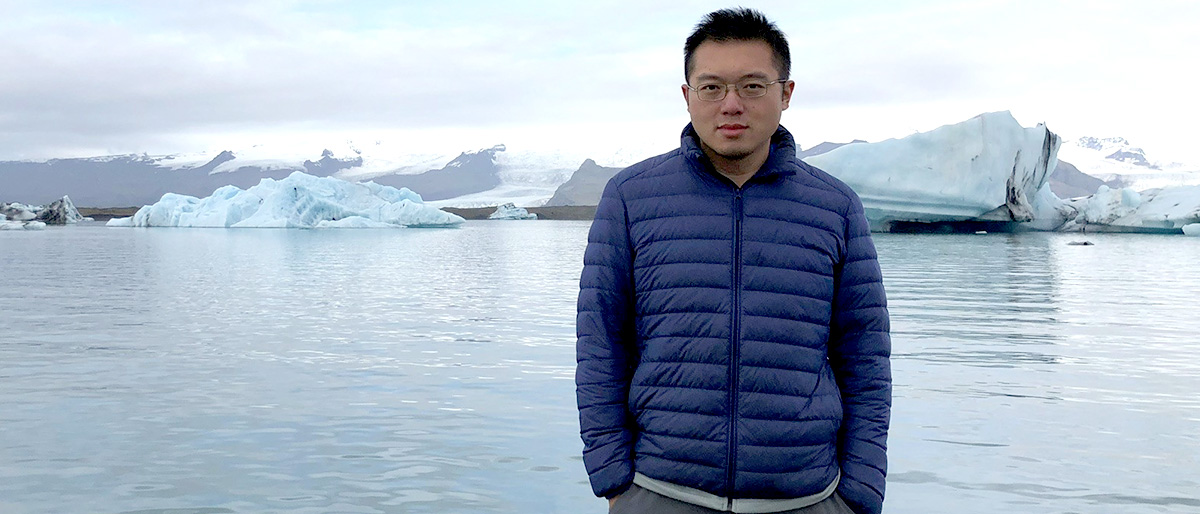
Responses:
[21,225]
[60,212]
[298,201]
[991,170]
[510,211]
[988,168]
[1168,210]
[22,217]
[18,212]
[17,216]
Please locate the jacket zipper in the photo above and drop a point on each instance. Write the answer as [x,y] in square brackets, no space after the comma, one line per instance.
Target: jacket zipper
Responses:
[735,338]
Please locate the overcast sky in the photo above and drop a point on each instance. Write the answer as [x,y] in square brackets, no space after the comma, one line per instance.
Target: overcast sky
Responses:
[102,77]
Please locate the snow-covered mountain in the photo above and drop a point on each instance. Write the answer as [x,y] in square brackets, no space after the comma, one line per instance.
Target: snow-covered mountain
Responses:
[477,177]
[1120,164]
[473,178]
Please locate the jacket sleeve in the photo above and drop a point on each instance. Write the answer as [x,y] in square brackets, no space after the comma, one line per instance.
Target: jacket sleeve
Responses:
[606,348]
[860,353]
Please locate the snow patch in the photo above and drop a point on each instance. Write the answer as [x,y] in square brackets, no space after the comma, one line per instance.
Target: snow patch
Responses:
[1117,161]
[522,196]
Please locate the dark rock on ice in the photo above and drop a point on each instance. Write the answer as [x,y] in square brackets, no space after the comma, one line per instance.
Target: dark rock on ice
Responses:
[61,212]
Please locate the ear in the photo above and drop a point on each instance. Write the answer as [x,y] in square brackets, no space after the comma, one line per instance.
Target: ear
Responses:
[687,99]
[788,88]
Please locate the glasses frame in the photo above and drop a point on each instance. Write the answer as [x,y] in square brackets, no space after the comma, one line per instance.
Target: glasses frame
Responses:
[726,86]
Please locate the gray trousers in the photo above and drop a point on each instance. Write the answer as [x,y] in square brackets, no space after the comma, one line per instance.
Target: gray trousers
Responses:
[637,500]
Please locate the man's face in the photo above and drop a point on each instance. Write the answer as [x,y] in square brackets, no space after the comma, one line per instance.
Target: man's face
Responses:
[736,128]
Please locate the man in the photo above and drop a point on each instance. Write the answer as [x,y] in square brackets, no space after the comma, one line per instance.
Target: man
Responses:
[733,332]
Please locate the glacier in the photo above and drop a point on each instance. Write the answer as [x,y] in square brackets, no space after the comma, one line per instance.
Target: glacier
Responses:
[1117,162]
[298,201]
[510,211]
[988,168]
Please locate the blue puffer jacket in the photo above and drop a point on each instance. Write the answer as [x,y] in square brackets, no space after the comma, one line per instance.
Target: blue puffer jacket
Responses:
[733,340]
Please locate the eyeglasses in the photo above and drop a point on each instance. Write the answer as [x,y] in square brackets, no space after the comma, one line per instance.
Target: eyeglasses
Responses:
[715,92]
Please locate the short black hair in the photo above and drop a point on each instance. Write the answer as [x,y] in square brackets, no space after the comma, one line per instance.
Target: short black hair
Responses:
[739,24]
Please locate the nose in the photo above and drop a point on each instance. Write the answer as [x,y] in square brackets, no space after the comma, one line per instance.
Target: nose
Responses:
[732,103]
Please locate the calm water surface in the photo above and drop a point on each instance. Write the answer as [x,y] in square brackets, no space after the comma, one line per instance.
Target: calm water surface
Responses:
[365,371]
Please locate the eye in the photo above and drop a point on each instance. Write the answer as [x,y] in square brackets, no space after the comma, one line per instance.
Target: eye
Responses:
[709,88]
[753,86]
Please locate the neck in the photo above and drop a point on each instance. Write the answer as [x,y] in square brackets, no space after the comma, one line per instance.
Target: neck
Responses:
[737,170]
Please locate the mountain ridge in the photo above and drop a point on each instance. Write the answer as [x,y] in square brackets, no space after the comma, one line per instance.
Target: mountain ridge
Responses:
[472,178]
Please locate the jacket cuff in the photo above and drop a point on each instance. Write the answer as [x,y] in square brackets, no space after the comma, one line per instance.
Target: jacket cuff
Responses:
[617,492]
[860,498]
[612,480]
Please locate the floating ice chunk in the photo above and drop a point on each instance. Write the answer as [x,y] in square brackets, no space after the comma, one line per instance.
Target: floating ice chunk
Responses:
[18,211]
[1165,210]
[1192,229]
[987,168]
[60,212]
[1049,211]
[1177,206]
[510,211]
[298,201]
[17,216]
[1107,205]
[22,225]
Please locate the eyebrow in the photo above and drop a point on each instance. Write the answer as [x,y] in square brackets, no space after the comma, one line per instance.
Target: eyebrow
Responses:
[752,75]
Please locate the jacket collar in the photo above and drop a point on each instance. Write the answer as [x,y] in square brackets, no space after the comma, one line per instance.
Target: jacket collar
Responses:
[779,162]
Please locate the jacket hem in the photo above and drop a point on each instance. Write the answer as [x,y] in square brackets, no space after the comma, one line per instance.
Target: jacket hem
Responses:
[736,505]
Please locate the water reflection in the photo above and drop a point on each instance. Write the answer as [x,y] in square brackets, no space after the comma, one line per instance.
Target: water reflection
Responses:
[216,371]
[298,371]
[972,300]
[1036,362]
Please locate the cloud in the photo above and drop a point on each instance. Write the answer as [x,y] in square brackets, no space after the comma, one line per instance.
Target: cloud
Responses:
[133,74]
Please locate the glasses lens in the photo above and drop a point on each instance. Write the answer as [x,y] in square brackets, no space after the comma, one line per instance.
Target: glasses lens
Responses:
[711,92]
[752,89]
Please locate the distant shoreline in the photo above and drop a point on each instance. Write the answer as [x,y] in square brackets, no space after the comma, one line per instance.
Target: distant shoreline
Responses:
[107,213]
[573,212]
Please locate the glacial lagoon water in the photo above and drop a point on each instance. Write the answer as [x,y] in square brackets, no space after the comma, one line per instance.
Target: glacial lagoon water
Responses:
[366,371]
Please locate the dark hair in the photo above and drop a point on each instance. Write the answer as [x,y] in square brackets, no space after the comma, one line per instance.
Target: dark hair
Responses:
[739,24]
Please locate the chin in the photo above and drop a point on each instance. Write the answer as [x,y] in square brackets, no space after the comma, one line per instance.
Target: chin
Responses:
[734,154]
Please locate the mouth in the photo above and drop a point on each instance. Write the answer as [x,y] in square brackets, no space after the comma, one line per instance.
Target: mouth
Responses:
[731,129]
